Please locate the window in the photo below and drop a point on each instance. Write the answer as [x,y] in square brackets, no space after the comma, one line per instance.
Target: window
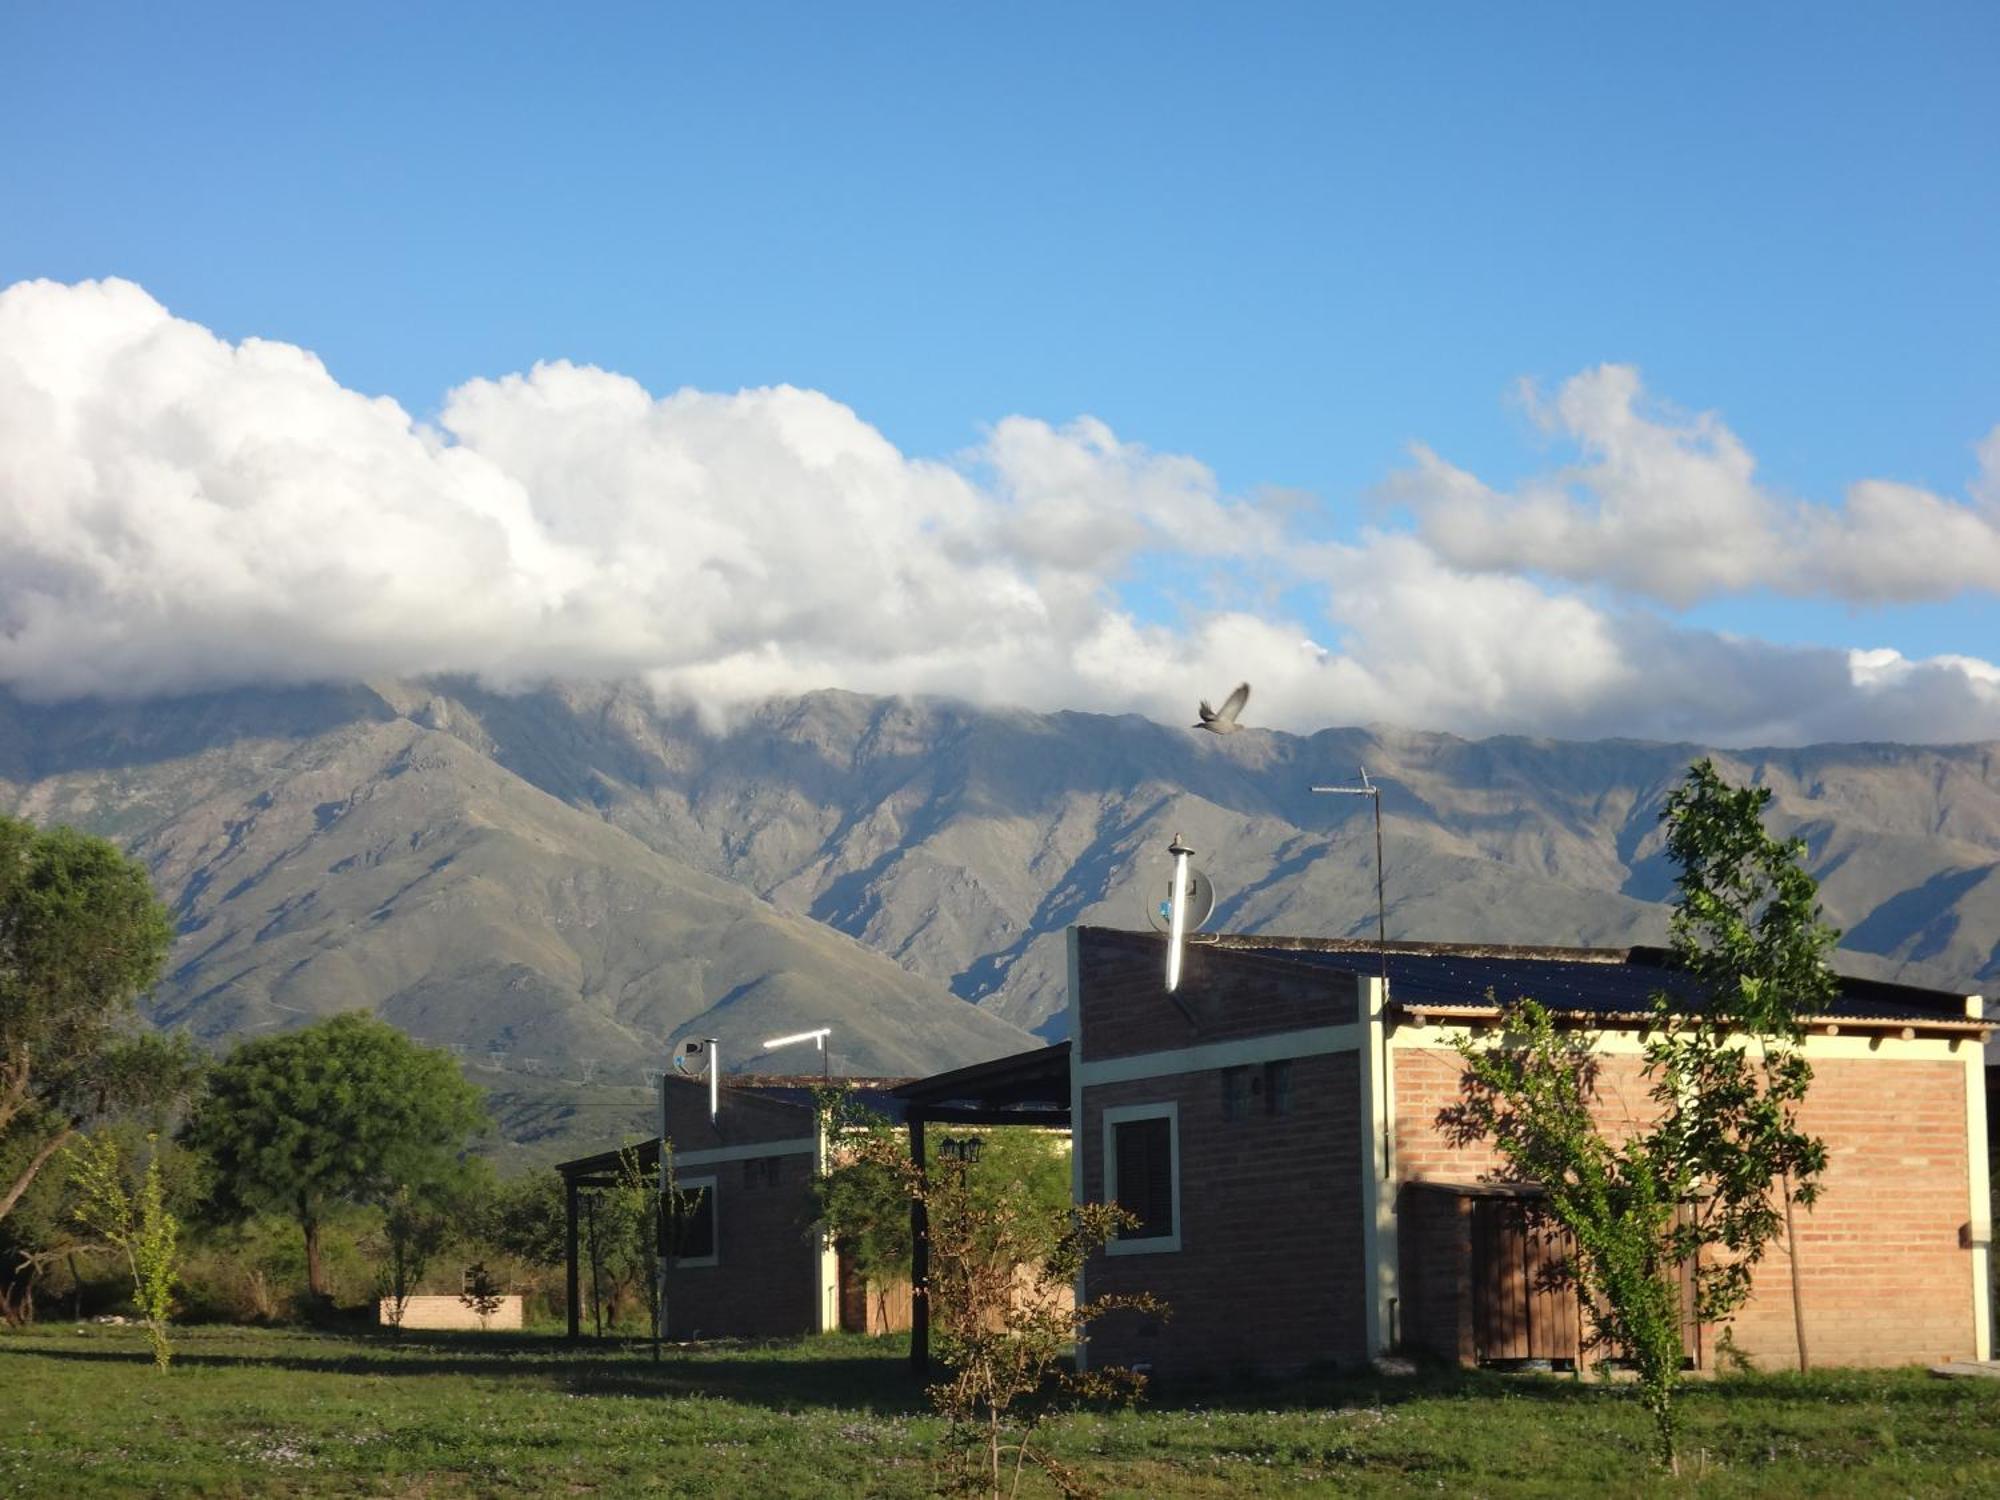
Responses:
[1278,1087]
[1142,1175]
[695,1239]
[1235,1093]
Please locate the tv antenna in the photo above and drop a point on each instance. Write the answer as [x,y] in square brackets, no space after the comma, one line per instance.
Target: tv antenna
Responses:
[1373,792]
[691,1060]
[818,1037]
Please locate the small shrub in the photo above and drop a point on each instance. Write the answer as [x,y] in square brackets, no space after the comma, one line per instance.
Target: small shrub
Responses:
[483,1293]
[138,1225]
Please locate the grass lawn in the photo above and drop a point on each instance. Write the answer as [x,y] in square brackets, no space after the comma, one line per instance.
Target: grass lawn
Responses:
[271,1412]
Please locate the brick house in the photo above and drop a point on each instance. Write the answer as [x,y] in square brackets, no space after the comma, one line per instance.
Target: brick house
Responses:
[747,1260]
[1275,1125]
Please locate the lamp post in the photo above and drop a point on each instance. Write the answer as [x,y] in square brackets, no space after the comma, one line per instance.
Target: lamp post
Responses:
[965,1151]
[817,1037]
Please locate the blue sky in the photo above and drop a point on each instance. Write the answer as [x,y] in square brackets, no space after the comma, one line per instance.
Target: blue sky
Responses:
[1288,241]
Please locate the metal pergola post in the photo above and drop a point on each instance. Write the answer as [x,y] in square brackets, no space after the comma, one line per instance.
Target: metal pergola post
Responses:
[569,1251]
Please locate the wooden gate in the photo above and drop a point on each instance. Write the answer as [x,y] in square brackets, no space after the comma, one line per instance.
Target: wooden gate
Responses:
[1522,1305]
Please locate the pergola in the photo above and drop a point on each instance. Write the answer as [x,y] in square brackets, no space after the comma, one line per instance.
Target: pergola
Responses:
[603,1170]
[1028,1088]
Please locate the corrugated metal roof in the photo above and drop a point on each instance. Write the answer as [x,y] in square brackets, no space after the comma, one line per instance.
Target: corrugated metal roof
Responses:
[1606,982]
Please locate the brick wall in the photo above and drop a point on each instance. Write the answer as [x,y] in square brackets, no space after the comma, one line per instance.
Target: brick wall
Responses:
[1427,1081]
[765,1283]
[1887,1278]
[450,1312]
[1887,1271]
[1269,1275]
[1434,1241]
[742,1118]
[1230,995]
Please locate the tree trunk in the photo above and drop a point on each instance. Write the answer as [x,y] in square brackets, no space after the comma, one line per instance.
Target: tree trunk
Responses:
[315,1280]
[1798,1287]
[35,1163]
[15,1096]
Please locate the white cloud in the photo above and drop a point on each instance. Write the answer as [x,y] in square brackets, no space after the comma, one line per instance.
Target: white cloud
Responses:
[1667,504]
[178,512]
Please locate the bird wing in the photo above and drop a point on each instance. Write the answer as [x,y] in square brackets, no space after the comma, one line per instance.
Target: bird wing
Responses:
[1233,704]
[1207,713]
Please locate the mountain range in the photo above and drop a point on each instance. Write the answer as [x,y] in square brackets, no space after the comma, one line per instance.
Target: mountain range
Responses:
[559,882]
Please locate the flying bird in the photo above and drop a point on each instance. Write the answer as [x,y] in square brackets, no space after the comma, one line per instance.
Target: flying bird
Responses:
[1224,722]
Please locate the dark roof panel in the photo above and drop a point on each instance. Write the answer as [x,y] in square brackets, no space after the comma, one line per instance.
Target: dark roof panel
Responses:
[1600,981]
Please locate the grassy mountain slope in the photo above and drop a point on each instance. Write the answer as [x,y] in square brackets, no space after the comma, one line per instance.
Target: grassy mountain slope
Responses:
[574,872]
[961,841]
[385,864]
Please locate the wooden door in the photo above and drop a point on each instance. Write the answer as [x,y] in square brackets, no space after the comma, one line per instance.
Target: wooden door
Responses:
[1522,1306]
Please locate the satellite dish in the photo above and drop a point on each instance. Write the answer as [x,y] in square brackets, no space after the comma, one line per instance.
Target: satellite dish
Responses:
[1200,903]
[692,1058]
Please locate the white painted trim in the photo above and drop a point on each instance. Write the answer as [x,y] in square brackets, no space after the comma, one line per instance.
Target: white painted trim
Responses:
[1625,1042]
[714,1257]
[1125,1114]
[1075,981]
[715,1155]
[1231,1054]
[829,1253]
[1980,1221]
[1380,1270]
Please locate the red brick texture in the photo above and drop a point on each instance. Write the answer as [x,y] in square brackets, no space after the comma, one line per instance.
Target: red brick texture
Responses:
[1269,1276]
[1230,996]
[742,1119]
[1886,1262]
[765,1283]
[1434,1241]
[1885,1253]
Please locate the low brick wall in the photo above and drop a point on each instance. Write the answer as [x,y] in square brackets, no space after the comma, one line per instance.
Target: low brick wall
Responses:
[449,1312]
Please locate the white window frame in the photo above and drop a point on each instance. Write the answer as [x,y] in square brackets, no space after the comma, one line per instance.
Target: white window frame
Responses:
[1125,1114]
[714,1256]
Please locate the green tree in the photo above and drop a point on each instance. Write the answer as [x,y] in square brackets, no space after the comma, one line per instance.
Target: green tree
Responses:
[43,1234]
[414,1229]
[865,1206]
[40,1236]
[1003,1268]
[641,1207]
[1747,924]
[1692,1192]
[347,1110]
[527,1218]
[81,935]
[419,1222]
[137,1224]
